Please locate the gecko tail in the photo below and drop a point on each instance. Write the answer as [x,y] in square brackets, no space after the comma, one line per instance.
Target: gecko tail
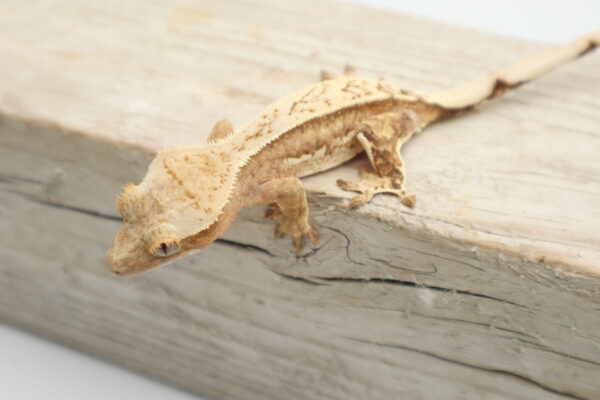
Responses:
[493,85]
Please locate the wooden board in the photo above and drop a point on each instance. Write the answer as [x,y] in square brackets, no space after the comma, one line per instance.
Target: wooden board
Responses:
[488,289]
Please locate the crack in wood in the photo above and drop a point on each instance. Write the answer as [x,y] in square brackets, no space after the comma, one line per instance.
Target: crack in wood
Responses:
[245,246]
[566,355]
[402,282]
[498,371]
[314,279]
[458,320]
[347,243]
[405,269]
[9,178]
[80,210]
[298,278]
[408,249]
[324,281]
[534,345]
[257,248]
[399,282]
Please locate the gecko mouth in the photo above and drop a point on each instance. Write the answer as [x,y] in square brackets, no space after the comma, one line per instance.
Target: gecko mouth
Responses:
[128,255]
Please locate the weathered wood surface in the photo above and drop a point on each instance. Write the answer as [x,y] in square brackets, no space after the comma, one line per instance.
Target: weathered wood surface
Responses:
[490,288]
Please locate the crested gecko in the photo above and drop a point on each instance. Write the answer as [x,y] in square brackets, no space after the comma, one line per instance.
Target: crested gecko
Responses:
[191,194]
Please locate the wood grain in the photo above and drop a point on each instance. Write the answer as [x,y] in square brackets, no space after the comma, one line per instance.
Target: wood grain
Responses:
[487,289]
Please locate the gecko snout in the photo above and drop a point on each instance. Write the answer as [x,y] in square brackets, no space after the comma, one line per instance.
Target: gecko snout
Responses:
[127,254]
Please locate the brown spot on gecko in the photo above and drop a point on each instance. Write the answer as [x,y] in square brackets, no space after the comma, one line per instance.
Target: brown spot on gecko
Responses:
[293,107]
[172,174]
[308,97]
[257,134]
[383,87]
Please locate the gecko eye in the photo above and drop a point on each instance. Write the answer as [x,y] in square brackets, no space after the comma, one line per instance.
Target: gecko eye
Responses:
[165,249]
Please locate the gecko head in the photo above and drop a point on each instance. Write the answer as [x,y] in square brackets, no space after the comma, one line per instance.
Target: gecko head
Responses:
[177,208]
[145,240]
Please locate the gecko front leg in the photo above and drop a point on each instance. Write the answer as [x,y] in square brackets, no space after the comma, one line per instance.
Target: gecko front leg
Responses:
[288,206]
[221,129]
[349,71]
[382,137]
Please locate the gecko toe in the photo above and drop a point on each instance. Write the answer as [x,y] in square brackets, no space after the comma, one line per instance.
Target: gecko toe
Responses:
[361,199]
[349,70]
[298,242]
[348,185]
[314,236]
[297,228]
[409,200]
[270,212]
[279,232]
[370,185]
[326,75]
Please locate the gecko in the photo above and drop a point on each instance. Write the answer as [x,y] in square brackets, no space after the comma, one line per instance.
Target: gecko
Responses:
[191,194]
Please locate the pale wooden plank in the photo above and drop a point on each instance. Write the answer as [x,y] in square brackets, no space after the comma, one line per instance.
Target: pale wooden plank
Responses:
[149,100]
[488,288]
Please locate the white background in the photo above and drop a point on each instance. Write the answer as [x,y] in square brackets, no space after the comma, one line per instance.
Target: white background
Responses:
[34,369]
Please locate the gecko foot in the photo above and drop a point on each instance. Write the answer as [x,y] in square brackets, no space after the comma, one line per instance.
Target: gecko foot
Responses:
[296,226]
[348,71]
[372,184]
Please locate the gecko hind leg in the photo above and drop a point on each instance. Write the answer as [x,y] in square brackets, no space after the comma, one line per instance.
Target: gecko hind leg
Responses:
[348,72]
[288,206]
[381,137]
